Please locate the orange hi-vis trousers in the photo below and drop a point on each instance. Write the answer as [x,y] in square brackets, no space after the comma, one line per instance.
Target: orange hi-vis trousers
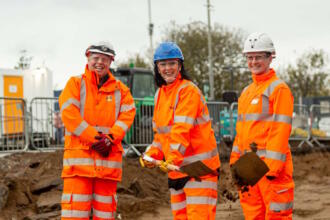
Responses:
[80,194]
[268,200]
[196,201]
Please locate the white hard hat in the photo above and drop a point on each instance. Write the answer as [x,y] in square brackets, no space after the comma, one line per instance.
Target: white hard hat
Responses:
[259,42]
[103,47]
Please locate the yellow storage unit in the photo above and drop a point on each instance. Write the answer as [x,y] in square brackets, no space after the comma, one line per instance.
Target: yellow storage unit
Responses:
[13,117]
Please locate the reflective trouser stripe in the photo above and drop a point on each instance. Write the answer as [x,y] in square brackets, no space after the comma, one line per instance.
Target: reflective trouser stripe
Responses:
[102,214]
[277,207]
[235,149]
[76,197]
[74,214]
[178,206]
[201,185]
[103,199]
[201,200]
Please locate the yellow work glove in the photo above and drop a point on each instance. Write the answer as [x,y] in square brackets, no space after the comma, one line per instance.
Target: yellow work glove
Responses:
[145,163]
[164,165]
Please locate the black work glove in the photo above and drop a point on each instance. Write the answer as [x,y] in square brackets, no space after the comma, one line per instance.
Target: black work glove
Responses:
[103,145]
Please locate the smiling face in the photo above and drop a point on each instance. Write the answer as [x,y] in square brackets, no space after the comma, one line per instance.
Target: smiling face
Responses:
[99,63]
[169,69]
[258,62]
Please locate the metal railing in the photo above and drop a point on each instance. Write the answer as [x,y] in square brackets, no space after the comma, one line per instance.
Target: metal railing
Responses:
[13,126]
[319,124]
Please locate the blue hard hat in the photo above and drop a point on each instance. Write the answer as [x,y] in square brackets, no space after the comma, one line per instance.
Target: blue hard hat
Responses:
[168,50]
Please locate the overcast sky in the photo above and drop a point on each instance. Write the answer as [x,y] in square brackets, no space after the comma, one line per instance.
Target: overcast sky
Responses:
[57,32]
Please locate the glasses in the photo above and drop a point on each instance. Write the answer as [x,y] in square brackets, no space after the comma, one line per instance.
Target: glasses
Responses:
[97,58]
[170,64]
[256,58]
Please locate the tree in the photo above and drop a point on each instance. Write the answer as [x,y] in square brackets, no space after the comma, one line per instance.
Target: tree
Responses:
[24,61]
[309,76]
[134,61]
[227,54]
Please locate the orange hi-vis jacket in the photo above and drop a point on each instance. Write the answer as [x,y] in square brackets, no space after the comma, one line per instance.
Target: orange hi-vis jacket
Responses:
[182,127]
[87,110]
[265,110]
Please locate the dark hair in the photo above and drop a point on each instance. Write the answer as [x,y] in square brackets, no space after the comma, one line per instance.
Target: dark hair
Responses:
[159,79]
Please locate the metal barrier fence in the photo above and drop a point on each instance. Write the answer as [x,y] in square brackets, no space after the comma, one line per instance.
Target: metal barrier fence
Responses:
[320,124]
[13,126]
[46,127]
[300,125]
[41,127]
[220,117]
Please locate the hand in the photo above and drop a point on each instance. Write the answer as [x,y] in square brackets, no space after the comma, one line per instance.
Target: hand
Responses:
[168,165]
[103,145]
[145,163]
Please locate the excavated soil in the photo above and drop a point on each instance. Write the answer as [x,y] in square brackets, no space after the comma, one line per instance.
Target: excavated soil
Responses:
[30,189]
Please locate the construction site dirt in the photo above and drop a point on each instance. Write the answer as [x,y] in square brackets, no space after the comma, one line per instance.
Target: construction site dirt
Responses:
[30,189]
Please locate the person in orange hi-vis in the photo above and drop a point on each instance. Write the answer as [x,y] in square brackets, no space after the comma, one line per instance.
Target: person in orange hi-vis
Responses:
[182,136]
[265,110]
[96,110]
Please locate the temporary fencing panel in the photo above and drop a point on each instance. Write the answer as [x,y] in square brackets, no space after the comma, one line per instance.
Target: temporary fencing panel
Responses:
[320,124]
[46,127]
[13,129]
[220,116]
[300,125]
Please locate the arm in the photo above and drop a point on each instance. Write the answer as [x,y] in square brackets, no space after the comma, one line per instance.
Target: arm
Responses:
[69,101]
[277,144]
[125,117]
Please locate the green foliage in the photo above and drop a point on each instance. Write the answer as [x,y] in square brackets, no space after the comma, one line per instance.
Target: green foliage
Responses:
[134,61]
[309,77]
[227,52]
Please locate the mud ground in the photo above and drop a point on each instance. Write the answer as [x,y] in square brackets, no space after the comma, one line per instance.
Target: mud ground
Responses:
[30,189]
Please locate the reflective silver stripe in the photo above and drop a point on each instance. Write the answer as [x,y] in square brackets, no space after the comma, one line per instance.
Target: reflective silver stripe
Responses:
[81,197]
[108,164]
[275,155]
[69,102]
[66,197]
[104,130]
[122,125]
[148,148]
[201,156]
[178,147]
[78,161]
[126,108]
[240,117]
[101,214]
[117,102]
[103,199]
[82,96]
[176,192]
[153,125]
[184,119]
[282,118]
[201,200]
[164,129]
[74,214]
[235,149]
[277,207]
[258,117]
[270,89]
[201,185]
[156,144]
[178,206]
[265,104]
[202,119]
[177,94]
[67,133]
[261,153]
[80,129]
[156,97]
